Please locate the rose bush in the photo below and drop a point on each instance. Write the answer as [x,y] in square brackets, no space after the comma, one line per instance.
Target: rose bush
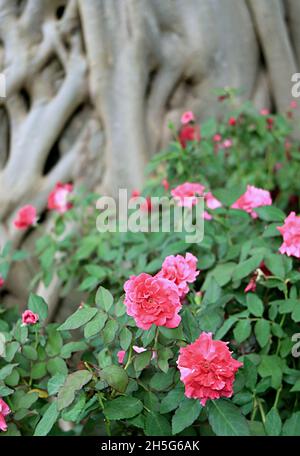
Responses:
[171,337]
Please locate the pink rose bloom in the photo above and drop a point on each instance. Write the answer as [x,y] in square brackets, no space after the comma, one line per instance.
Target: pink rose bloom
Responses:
[252,198]
[251,285]
[58,199]
[264,112]
[207,369]
[187,117]
[291,235]
[293,104]
[26,217]
[207,215]
[4,411]
[1,281]
[29,318]
[121,355]
[185,194]
[152,300]
[165,184]
[211,201]
[180,271]
[227,143]
[217,137]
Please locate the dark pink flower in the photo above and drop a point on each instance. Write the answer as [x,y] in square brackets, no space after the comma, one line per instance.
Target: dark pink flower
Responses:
[152,300]
[264,112]
[121,355]
[189,133]
[180,270]
[26,217]
[29,318]
[4,411]
[217,137]
[207,369]
[58,199]
[165,184]
[2,281]
[232,121]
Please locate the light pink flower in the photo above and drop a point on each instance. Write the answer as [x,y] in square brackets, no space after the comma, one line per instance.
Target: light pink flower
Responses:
[207,369]
[180,270]
[211,201]
[121,355]
[227,143]
[217,137]
[207,216]
[252,198]
[291,235]
[186,194]
[26,217]
[29,318]
[152,300]
[264,112]
[2,281]
[4,411]
[251,285]
[142,350]
[58,199]
[293,104]
[187,117]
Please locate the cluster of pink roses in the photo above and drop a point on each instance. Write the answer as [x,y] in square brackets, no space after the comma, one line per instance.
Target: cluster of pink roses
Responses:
[4,411]
[206,366]
[58,200]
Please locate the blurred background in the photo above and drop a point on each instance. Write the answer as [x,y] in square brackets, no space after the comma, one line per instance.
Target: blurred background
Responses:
[91,86]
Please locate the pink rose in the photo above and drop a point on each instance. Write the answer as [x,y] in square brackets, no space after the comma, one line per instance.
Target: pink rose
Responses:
[152,300]
[217,137]
[293,104]
[165,184]
[227,143]
[211,201]
[264,112]
[29,318]
[251,285]
[26,217]
[2,281]
[4,411]
[187,117]
[180,271]
[185,194]
[121,355]
[189,133]
[207,369]
[291,236]
[252,198]
[58,199]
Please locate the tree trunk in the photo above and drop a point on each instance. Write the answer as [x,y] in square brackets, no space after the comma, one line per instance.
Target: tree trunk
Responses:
[92,84]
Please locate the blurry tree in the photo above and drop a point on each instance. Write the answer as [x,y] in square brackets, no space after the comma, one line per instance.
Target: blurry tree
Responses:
[92,84]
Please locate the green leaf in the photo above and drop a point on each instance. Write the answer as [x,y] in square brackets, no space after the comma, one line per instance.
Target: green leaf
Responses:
[30,352]
[7,370]
[89,284]
[172,400]
[273,422]
[71,347]
[125,338]
[226,419]
[55,383]
[109,331]
[10,350]
[262,331]
[246,267]
[48,420]
[187,412]
[271,366]
[104,299]
[78,319]
[225,327]
[163,356]
[254,304]
[275,264]
[270,213]
[157,425]
[162,381]
[242,330]
[73,383]
[38,370]
[56,365]
[74,411]
[38,305]
[292,426]
[142,360]
[122,408]
[94,326]
[116,377]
